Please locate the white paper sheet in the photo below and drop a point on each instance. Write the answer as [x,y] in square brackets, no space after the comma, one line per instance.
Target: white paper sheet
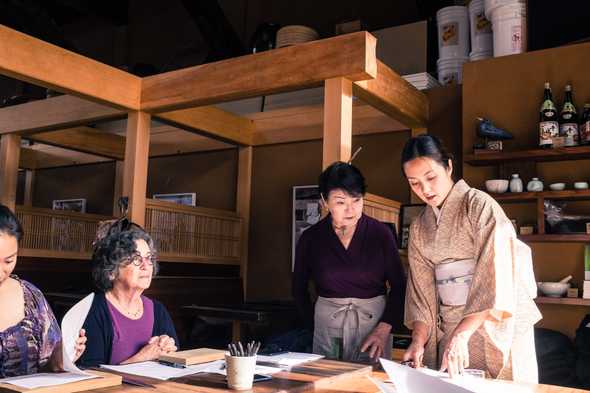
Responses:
[46,379]
[71,324]
[289,358]
[409,380]
[156,370]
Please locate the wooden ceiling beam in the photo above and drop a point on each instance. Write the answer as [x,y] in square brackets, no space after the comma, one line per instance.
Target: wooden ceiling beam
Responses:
[352,56]
[212,122]
[393,95]
[31,60]
[85,140]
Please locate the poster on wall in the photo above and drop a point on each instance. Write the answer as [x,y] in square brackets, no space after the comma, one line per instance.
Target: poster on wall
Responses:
[75,205]
[306,212]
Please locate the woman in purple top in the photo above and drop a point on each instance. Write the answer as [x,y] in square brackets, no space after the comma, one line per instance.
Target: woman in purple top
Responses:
[352,260]
[123,326]
[30,338]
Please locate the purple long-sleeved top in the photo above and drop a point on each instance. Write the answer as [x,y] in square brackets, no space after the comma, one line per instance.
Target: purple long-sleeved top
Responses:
[361,271]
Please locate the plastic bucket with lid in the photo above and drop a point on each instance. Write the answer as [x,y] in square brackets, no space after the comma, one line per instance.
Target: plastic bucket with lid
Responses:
[475,56]
[491,5]
[453,32]
[450,71]
[480,28]
[509,26]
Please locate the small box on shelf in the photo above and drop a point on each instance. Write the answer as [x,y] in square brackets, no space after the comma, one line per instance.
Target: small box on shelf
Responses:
[526,230]
[572,292]
[586,292]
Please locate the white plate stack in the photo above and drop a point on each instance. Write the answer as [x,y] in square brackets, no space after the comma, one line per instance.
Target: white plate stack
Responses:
[422,80]
[295,34]
[453,43]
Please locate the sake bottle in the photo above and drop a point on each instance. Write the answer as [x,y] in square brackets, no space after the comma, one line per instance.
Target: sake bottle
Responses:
[568,120]
[548,124]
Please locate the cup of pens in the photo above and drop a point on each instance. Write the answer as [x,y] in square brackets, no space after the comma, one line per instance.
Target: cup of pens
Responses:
[240,363]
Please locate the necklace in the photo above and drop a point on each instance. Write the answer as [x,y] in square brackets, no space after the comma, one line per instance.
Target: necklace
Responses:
[132,314]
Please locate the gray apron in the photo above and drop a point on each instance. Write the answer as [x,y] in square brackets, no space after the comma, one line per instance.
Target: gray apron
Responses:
[343,324]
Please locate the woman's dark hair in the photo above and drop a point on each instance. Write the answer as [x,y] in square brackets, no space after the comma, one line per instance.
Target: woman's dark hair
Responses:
[9,224]
[341,175]
[425,146]
[116,249]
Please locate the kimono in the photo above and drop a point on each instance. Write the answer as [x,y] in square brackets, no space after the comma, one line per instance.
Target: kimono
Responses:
[351,284]
[465,259]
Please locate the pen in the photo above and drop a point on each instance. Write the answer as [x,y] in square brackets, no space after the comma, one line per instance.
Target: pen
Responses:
[171,364]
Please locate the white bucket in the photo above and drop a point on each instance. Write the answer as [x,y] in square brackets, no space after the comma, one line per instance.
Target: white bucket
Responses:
[475,56]
[453,32]
[491,5]
[450,71]
[509,26]
[480,27]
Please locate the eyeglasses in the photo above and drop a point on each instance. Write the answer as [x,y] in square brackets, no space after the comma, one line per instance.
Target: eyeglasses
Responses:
[137,260]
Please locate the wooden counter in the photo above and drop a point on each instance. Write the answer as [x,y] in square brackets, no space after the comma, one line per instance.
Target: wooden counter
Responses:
[323,376]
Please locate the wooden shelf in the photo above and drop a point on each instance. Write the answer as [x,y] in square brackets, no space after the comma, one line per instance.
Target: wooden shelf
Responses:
[516,197]
[539,155]
[552,238]
[570,301]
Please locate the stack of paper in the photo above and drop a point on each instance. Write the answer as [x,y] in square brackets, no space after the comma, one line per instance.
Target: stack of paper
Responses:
[586,291]
[289,359]
[422,80]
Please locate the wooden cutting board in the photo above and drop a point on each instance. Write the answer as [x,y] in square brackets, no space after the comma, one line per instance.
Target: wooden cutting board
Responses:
[193,356]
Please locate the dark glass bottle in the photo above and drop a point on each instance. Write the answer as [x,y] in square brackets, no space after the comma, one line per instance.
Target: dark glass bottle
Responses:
[548,124]
[568,120]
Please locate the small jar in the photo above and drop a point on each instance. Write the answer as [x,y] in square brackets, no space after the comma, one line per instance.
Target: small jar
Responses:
[516,183]
[535,185]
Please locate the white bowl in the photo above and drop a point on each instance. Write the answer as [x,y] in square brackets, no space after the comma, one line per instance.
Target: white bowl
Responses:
[497,186]
[553,289]
[581,185]
[557,186]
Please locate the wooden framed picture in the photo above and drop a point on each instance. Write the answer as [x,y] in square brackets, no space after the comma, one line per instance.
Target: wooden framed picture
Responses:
[183,198]
[407,214]
[75,205]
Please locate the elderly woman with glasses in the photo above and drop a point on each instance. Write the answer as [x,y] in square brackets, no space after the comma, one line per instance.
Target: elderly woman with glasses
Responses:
[123,326]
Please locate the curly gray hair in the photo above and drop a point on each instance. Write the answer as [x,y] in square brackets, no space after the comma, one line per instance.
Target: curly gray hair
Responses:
[113,250]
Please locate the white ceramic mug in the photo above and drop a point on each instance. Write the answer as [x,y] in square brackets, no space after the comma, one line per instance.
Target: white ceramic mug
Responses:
[240,371]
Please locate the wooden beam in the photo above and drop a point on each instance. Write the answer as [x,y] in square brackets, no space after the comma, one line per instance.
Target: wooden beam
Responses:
[54,113]
[136,164]
[86,140]
[118,192]
[393,95]
[291,68]
[29,187]
[212,122]
[243,197]
[31,60]
[9,158]
[54,157]
[305,123]
[337,121]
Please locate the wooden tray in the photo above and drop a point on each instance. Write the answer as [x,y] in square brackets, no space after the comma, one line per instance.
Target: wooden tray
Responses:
[105,380]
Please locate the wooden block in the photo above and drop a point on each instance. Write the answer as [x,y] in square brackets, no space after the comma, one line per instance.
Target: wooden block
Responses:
[105,380]
[194,356]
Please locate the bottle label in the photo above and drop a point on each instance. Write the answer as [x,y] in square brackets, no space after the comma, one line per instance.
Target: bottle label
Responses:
[569,107]
[570,132]
[517,39]
[547,131]
[450,34]
[549,107]
[482,25]
[585,132]
[567,116]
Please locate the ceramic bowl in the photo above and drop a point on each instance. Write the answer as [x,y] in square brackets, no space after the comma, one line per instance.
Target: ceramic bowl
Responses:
[581,185]
[553,289]
[557,186]
[497,186]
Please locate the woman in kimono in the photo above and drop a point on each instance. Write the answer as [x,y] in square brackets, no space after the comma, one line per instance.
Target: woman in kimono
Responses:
[351,258]
[471,285]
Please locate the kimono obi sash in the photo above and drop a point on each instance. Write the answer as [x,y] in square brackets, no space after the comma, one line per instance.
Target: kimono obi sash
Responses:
[453,280]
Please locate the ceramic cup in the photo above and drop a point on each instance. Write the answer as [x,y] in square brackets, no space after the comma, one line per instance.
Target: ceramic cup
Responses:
[240,371]
[581,185]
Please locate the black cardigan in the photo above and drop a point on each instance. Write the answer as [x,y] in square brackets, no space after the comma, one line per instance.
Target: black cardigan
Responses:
[99,331]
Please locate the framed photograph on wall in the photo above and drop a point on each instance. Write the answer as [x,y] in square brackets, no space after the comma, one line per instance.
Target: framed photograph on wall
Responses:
[74,205]
[185,198]
[407,214]
[306,212]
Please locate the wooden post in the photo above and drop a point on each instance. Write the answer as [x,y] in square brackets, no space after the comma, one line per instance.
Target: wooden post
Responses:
[337,121]
[243,196]
[415,132]
[136,164]
[118,191]
[29,187]
[9,159]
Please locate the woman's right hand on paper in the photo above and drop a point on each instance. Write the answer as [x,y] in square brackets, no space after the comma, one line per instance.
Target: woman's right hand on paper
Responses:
[414,354]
